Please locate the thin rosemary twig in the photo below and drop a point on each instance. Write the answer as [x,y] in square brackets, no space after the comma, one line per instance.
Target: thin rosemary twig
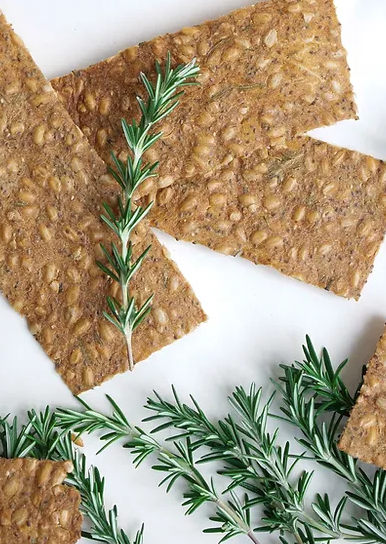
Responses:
[231,515]
[163,98]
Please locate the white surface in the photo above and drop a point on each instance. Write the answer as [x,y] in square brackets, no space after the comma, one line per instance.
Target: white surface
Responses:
[257,317]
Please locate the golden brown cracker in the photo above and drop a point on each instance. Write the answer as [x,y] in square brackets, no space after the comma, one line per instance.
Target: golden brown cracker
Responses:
[311,210]
[365,434]
[269,72]
[34,507]
[52,188]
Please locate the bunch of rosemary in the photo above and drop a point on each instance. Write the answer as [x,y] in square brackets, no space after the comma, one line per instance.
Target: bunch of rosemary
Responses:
[39,439]
[162,99]
[259,475]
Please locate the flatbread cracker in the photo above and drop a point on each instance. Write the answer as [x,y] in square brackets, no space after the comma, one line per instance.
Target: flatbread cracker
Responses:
[269,72]
[365,434]
[52,188]
[34,507]
[311,210]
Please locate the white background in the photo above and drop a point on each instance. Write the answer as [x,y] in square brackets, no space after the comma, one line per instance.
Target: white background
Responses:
[257,318]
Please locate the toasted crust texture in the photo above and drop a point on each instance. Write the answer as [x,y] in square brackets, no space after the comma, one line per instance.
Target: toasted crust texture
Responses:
[52,188]
[365,434]
[34,507]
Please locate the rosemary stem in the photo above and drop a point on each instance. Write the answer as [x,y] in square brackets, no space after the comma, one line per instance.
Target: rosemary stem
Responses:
[322,528]
[252,537]
[298,538]
[138,150]
[129,349]
[236,518]
[125,296]
[124,289]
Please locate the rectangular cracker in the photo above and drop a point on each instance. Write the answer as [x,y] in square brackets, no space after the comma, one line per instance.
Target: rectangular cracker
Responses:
[311,210]
[34,507]
[52,188]
[269,72]
[365,434]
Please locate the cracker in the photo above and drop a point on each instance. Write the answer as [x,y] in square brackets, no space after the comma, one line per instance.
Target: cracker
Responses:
[34,507]
[365,434]
[310,210]
[269,72]
[52,188]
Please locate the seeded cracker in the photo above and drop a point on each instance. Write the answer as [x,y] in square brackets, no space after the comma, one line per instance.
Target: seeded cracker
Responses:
[365,434]
[269,71]
[52,187]
[311,210]
[34,507]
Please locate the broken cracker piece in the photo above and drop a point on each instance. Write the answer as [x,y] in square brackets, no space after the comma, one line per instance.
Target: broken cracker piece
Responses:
[309,209]
[34,506]
[365,434]
[268,72]
[53,185]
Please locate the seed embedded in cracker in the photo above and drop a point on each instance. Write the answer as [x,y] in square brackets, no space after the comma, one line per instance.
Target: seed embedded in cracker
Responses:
[34,506]
[53,185]
[268,72]
[365,434]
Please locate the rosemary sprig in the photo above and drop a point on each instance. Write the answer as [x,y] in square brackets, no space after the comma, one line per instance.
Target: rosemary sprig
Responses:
[319,377]
[249,453]
[232,516]
[315,400]
[163,98]
[252,459]
[39,438]
[304,405]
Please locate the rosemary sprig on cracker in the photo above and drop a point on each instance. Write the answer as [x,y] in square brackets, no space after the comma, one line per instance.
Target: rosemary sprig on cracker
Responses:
[39,439]
[162,99]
